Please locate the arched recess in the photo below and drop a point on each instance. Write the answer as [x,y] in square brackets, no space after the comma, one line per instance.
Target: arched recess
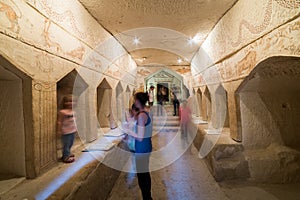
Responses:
[104,97]
[207,105]
[73,83]
[17,158]
[120,102]
[222,116]
[199,102]
[269,104]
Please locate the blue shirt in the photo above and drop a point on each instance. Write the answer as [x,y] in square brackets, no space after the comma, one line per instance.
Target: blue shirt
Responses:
[145,146]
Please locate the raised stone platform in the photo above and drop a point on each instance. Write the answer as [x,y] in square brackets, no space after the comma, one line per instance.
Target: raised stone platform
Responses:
[275,164]
[224,156]
[229,160]
[86,178]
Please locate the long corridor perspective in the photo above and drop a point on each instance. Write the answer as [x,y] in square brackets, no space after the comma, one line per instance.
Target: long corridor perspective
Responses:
[156,99]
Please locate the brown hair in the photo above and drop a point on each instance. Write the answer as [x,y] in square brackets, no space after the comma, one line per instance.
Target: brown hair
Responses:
[142,97]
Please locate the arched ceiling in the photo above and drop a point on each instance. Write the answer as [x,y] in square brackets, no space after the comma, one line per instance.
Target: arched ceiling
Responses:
[186,18]
[144,57]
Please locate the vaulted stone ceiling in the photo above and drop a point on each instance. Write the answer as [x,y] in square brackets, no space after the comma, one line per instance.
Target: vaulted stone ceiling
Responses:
[176,22]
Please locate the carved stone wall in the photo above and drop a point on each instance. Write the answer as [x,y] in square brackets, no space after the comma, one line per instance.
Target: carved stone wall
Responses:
[46,40]
[249,33]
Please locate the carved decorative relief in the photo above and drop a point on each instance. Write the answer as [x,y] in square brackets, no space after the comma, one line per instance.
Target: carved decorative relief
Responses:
[77,53]
[246,64]
[12,12]
[44,62]
[254,29]
[47,111]
[61,17]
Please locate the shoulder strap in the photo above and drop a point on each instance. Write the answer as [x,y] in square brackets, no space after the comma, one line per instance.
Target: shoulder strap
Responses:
[146,114]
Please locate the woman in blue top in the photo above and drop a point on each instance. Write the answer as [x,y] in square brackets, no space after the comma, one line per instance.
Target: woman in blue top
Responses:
[143,144]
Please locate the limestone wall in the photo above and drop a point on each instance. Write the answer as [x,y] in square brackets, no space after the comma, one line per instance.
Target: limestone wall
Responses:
[246,33]
[46,40]
[249,33]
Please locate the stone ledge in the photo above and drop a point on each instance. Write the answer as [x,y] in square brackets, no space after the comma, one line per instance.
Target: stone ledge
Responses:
[72,181]
[225,159]
[275,164]
[228,160]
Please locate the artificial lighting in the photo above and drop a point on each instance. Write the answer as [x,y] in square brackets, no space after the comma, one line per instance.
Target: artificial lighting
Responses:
[136,40]
[190,41]
[194,40]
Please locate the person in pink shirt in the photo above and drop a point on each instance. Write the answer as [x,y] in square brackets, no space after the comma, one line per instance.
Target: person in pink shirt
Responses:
[66,127]
[185,117]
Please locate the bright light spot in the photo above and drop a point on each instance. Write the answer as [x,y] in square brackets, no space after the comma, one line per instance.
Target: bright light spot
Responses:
[190,41]
[136,40]
[194,40]
[65,176]
[179,60]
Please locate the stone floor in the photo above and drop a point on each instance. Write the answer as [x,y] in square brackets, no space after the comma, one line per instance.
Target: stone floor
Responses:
[186,178]
[189,178]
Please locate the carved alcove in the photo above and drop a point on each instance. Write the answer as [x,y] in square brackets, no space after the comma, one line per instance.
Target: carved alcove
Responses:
[199,102]
[74,84]
[269,102]
[222,115]
[16,130]
[120,102]
[207,105]
[104,97]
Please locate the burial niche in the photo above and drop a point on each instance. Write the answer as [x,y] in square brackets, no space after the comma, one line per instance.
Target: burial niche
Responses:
[269,102]
[199,102]
[15,123]
[207,105]
[222,116]
[73,84]
[120,102]
[104,97]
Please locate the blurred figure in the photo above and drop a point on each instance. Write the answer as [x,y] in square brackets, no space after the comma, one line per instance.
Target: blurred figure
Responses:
[131,120]
[143,144]
[185,117]
[66,127]
[151,95]
[176,103]
[160,100]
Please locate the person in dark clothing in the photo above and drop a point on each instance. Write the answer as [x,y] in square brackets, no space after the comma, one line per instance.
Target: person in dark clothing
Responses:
[160,100]
[175,103]
[143,145]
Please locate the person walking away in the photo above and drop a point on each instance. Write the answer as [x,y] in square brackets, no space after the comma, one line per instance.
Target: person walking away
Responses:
[175,103]
[66,127]
[160,102]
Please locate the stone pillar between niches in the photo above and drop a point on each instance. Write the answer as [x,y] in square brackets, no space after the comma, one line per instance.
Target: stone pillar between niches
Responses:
[234,110]
[213,108]
[91,114]
[203,105]
[44,105]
